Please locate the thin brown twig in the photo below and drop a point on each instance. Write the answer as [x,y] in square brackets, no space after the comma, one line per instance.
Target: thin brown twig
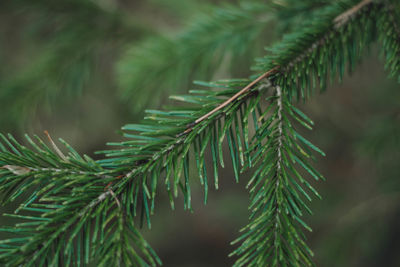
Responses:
[241,92]
[230,100]
[344,17]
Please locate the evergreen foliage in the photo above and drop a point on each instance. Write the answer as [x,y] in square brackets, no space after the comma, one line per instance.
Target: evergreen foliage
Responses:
[274,234]
[389,35]
[69,37]
[228,33]
[76,211]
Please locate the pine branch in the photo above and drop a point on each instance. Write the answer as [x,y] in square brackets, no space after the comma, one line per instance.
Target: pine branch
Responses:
[295,62]
[328,44]
[165,138]
[158,150]
[274,234]
[389,36]
[72,219]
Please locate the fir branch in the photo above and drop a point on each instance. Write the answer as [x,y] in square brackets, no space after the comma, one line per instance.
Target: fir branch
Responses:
[338,22]
[389,36]
[170,147]
[67,202]
[328,44]
[159,149]
[275,237]
[346,16]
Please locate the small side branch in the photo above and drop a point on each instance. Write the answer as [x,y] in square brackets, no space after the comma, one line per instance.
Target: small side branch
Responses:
[344,17]
[238,94]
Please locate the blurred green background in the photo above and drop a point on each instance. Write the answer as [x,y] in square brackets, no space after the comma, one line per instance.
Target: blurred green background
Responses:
[81,69]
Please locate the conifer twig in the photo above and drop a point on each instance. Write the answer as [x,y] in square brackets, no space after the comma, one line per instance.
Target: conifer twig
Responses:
[234,97]
[344,17]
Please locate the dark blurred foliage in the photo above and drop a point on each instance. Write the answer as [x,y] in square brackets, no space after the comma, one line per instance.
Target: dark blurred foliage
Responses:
[58,73]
